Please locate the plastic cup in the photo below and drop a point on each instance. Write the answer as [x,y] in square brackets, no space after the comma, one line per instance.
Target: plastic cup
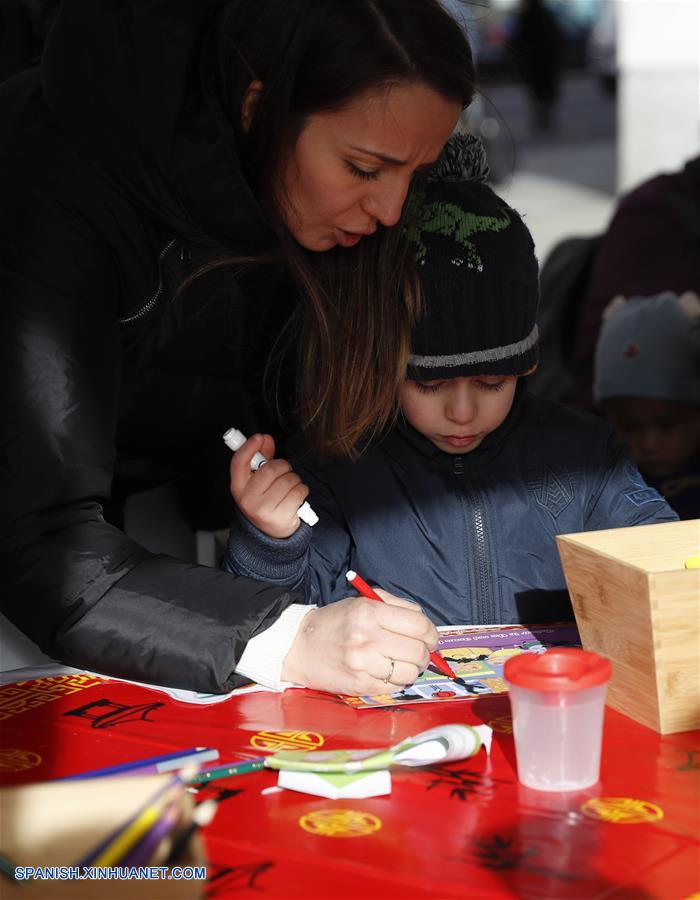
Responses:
[557,702]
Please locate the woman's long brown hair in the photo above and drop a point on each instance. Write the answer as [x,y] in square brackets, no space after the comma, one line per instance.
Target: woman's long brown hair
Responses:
[357,306]
[353,343]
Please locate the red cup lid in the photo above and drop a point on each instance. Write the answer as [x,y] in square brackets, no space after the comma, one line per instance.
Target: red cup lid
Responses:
[558,669]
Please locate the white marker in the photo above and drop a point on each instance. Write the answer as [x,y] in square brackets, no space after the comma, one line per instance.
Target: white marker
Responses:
[234,440]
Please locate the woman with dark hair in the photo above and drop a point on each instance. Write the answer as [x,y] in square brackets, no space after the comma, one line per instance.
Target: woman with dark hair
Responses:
[189,188]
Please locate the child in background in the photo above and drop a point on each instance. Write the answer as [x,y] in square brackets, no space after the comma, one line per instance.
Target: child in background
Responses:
[458,506]
[647,380]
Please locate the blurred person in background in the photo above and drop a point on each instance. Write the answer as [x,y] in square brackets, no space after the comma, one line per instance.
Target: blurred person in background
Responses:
[652,245]
[601,47]
[537,44]
[647,380]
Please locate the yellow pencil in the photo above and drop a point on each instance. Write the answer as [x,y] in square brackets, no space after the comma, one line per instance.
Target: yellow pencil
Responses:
[125,839]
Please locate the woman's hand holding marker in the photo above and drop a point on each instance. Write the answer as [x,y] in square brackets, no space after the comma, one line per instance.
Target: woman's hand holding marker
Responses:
[270,495]
[359,647]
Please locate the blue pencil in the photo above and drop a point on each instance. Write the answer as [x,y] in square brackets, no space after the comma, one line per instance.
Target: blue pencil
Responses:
[167,762]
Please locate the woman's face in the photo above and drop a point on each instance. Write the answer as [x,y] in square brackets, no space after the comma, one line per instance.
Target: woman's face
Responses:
[350,169]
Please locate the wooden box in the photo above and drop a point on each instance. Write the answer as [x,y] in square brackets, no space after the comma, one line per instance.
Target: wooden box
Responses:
[636,603]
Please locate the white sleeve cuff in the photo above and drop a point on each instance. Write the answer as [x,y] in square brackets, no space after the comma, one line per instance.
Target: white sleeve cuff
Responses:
[264,654]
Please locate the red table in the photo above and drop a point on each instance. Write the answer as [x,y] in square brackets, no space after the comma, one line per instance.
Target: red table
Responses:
[465,829]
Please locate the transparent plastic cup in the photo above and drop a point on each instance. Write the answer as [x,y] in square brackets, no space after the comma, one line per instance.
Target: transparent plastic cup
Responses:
[558,702]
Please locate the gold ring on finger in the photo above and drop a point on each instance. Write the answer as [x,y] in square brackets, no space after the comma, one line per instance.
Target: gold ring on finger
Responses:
[392,663]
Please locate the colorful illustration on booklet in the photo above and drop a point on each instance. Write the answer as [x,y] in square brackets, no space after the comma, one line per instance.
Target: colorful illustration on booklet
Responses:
[477,656]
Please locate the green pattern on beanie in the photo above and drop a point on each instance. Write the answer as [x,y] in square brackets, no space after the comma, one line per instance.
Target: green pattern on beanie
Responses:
[449,220]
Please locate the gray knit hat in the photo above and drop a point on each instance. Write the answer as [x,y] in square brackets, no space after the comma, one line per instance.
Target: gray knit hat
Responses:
[650,347]
[479,277]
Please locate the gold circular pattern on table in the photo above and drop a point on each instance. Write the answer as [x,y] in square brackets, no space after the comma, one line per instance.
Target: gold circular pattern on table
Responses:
[501,724]
[621,810]
[18,760]
[340,823]
[287,740]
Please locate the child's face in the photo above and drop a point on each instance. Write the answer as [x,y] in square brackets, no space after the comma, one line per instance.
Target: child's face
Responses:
[661,434]
[456,414]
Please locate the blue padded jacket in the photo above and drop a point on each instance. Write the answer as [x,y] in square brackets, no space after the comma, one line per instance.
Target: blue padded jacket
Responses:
[470,537]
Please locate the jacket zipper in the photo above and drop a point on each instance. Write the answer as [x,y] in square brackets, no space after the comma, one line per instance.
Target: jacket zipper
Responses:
[484,600]
[153,299]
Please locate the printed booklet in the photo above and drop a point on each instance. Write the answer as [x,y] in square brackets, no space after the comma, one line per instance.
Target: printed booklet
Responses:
[477,655]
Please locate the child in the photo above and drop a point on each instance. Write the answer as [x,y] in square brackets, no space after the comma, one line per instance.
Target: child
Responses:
[647,378]
[457,507]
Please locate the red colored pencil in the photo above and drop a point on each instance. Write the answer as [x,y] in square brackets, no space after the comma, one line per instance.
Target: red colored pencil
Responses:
[363,588]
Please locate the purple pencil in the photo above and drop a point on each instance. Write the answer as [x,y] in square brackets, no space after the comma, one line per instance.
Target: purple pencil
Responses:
[142,853]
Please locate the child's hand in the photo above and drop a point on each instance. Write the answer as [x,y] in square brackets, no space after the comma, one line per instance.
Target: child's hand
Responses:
[270,496]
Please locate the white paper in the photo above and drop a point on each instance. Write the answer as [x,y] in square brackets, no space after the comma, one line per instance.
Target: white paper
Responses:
[376,783]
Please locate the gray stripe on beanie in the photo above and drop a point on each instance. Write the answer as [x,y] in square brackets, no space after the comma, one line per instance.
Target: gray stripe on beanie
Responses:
[476,357]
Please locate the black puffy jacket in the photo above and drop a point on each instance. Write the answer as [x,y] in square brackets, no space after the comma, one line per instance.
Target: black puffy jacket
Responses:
[118,176]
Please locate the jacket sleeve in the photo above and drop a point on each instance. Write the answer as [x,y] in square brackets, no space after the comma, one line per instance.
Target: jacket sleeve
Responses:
[81,589]
[313,560]
[253,553]
[331,548]
[620,496]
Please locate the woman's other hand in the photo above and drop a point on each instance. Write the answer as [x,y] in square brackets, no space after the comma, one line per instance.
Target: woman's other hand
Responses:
[358,646]
[270,495]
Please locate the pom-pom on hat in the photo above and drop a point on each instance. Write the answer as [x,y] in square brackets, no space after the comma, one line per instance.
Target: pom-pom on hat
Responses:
[479,278]
[463,158]
[650,347]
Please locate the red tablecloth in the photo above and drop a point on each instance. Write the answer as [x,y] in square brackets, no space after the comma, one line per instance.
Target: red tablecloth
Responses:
[465,829]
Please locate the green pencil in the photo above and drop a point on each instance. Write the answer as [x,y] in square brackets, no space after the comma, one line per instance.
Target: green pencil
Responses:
[239,768]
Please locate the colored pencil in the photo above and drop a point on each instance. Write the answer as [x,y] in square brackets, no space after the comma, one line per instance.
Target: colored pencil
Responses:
[128,833]
[141,853]
[152,765]
[436,660]
[234,768]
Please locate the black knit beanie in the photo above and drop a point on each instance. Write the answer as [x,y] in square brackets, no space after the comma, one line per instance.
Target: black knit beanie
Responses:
[478,271]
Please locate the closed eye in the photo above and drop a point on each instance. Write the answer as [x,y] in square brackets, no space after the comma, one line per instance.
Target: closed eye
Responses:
[362,174]
[492,385]
[429,387]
